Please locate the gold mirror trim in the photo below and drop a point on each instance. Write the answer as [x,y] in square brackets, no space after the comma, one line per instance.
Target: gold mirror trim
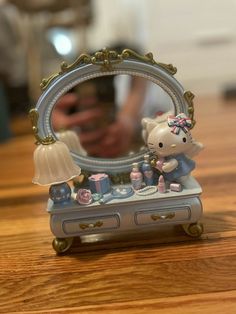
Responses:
[34,116]
[106,59]
[148,58]
[189,98]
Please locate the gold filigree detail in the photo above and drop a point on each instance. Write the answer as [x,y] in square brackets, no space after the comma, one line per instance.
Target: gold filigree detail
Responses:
[106,59]
[62,245]
[46,81]
[130,54]
[194,230]
[65,67]
[162,217]
[189,98]
[91,225]
[168,67]
[147,58]
[34,116]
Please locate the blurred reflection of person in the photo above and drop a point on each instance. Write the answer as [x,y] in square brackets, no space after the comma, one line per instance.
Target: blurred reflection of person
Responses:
[104,130]
[107,124]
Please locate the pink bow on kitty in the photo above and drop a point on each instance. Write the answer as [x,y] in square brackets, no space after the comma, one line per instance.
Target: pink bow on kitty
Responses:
[179,122]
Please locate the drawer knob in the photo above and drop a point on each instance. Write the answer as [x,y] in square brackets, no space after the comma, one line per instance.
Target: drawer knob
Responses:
[162,217]
[91,225]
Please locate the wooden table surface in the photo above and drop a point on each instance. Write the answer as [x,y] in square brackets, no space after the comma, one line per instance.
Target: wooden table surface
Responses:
[156,272]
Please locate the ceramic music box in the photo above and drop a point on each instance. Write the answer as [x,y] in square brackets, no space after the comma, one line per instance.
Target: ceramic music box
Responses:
[114,145]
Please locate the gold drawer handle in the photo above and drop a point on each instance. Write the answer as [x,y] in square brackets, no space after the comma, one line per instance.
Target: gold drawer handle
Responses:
[163,217]
[91,225]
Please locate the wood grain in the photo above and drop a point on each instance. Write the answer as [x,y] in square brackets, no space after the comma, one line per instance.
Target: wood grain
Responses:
[159,271]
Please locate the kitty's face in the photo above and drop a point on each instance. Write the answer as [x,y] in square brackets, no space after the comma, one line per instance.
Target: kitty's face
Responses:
[162,142]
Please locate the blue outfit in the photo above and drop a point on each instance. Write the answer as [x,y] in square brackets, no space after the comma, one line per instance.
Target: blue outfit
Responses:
[185,166]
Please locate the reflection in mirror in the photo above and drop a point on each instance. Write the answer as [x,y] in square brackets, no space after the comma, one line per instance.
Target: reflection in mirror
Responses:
[106,114]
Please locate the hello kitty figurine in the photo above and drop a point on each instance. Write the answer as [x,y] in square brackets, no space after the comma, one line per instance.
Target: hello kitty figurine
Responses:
[172,143]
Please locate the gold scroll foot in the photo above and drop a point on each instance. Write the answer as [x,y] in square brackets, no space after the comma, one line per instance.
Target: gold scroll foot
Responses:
[62,245]
[193,230]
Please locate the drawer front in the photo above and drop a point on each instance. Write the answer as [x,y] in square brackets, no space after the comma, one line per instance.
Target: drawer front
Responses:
[91,224]
[158,216]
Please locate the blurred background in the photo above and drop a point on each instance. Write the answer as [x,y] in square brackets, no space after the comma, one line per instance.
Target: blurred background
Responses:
[198,37]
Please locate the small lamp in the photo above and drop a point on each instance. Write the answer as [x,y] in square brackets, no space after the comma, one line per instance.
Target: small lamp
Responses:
[53,164]
[71,139]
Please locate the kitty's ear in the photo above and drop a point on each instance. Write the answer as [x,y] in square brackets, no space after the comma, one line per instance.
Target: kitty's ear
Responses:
[163,117]
[148,124]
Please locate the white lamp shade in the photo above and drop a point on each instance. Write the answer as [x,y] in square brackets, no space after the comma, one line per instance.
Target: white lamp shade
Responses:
[71,139]
[54,164]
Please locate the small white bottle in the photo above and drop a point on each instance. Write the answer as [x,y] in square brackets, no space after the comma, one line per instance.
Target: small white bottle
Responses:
[136,177]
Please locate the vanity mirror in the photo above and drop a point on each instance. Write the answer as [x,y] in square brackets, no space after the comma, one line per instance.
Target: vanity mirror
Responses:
[131,189]
[106,113]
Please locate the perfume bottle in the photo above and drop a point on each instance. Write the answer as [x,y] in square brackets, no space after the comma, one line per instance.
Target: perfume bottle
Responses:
[136,177]
[147,171]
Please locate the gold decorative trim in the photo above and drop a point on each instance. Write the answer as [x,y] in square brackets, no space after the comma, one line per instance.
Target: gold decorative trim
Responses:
[84,58]
[162,217]
[62,245]
[34,116]
[46,81]
[194,230]
[65,67]
[91,225]
[189,98]
[148,58]
[106,59]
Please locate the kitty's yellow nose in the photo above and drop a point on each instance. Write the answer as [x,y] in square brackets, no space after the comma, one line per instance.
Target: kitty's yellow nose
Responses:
[173,145]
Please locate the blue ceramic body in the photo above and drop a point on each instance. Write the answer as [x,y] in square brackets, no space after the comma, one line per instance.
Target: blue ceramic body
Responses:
[147,173]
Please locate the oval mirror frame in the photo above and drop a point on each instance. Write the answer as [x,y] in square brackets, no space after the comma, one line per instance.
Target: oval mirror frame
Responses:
[103,63]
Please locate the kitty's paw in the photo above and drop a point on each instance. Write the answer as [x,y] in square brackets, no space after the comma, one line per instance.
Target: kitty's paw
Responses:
[170,165]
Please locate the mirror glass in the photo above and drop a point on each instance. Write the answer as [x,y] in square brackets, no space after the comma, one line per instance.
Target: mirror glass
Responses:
[105,113]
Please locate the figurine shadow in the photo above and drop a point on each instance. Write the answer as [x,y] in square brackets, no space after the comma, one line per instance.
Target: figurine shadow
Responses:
[95,247]
[220,221]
